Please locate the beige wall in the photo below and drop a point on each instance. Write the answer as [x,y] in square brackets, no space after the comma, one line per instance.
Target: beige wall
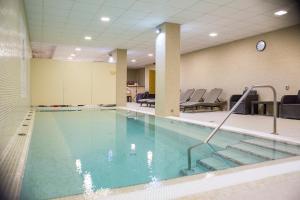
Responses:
[137,75]
[141,76]
[235,65]
[72,83]
[14,69]
[131,75]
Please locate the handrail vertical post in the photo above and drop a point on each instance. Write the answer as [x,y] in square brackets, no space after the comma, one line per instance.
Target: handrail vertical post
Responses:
[189,159]
[275,110]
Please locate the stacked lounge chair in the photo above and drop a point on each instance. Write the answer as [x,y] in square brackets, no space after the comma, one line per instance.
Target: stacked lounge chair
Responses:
[211,100]
[196,98]
[184,97]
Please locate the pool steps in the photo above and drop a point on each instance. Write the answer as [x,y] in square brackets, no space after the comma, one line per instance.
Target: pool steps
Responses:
[216,162]
[262,152]
[240,157]
[245,152]
[282,147]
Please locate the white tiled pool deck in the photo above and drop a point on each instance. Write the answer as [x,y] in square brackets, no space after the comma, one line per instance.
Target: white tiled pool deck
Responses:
[285,127]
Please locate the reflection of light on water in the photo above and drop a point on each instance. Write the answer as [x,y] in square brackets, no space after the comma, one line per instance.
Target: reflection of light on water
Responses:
[103,192]
[209,174]
[78,166]
[109,155]
[88,188]
[88,184]
[153,183]
[132,149]
[149,159]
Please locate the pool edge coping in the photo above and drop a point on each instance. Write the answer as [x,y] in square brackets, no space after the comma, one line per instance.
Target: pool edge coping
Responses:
[17,176]
[260,134]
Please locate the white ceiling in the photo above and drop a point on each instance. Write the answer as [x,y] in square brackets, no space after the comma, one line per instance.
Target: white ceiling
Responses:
[64,23]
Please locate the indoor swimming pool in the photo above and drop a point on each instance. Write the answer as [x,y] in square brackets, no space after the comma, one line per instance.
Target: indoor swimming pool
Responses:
[82,152]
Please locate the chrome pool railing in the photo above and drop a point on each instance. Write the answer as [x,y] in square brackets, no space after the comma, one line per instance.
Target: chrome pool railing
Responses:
[231,111]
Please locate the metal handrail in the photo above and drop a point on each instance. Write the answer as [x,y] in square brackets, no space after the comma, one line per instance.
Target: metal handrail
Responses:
[231,111]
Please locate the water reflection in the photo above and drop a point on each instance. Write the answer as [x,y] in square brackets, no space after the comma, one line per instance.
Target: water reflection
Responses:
[132,149]
[154,183]
[149,159]
[78,166]
[110,155]
[88,184]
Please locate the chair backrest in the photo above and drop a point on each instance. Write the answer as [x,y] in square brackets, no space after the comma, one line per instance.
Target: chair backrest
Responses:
[146,94]
[186,95]
[198,95]
[213,95]
[298,98]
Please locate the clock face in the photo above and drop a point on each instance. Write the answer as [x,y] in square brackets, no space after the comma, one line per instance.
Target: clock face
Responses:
[261,45]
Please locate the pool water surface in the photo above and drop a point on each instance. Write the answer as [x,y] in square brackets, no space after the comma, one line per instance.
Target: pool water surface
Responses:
[81,152]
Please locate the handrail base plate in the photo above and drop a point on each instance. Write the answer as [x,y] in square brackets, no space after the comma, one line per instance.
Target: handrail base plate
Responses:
[187,172]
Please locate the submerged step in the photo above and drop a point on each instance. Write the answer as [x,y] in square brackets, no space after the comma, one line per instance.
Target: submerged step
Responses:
[240,157]
[279,146]
[260,151]
[216,163]
[195,170]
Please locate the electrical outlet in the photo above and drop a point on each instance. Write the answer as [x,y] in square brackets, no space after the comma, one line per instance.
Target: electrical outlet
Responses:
[287,87]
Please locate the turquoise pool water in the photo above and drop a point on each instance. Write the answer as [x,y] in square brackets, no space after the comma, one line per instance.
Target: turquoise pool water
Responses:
[80,152]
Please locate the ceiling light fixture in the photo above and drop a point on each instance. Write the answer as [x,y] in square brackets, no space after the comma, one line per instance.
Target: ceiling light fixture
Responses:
[110,59]
[88,38]
[77,49]
[213,34]
[105,19]
[280,12]
[133,60]
[150,55]
[158,30]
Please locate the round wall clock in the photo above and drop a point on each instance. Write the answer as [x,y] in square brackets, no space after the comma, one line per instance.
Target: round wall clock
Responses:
[261,45]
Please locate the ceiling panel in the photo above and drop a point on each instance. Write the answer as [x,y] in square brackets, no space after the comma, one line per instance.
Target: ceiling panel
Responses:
[64,23]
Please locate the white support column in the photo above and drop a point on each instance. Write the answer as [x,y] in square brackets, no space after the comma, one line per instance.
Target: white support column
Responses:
[120,57]
[168,70]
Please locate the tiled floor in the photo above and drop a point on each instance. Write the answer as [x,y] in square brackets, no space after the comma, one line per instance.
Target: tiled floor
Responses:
[258,190]
[286,127]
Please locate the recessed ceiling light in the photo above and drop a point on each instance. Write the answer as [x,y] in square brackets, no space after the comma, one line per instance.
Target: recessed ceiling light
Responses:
[133,60]
[280,12]
[150,54]
[73,55]
[88,38]
[110,59]
[213,34]
[77,49]
[105,19]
